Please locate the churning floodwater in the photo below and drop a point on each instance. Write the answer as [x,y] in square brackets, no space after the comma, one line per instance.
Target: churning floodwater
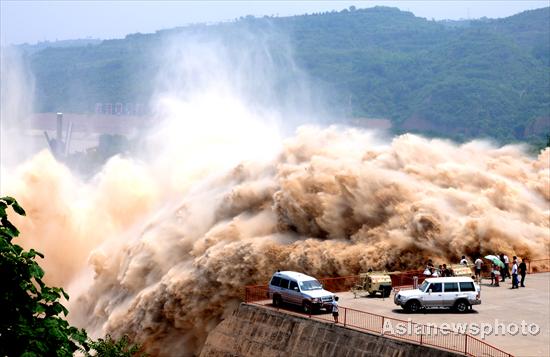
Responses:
[160,247]
[162,257]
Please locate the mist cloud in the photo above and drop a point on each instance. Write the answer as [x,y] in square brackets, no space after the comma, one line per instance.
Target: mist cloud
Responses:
[160,247]
[319,207]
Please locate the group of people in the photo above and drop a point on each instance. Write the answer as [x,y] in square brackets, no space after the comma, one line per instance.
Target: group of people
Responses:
[498,273]
[441,271]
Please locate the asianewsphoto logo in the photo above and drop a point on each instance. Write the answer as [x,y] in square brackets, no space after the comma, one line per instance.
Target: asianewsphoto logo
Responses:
[483,329]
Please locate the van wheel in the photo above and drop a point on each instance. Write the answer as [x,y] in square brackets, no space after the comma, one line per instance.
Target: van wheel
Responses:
[461,306]
[412,306]
[277,301]
[307,307]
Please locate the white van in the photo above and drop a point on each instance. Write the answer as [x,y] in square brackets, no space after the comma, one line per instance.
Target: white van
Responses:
[459,293]
[299,289]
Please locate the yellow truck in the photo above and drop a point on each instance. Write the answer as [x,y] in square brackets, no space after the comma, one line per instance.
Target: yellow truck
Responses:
[372,283]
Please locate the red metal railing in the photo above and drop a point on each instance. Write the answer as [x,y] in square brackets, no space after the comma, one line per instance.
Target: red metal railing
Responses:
[538,265]
[406,279]
[398,279]
[387,326]
[416,333]
[477,347]
[256,293]
[336,285]
[344,283]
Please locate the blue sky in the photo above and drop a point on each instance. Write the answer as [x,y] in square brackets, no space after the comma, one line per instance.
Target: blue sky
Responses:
[34,21]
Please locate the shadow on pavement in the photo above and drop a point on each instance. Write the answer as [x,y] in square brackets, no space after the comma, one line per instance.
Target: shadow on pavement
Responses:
[299,309]
[434,312]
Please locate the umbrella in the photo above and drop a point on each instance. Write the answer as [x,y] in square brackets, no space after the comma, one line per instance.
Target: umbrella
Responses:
[496,260]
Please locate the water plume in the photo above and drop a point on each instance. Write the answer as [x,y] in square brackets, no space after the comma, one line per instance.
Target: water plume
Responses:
[334,201]
[16,98]
[160,247]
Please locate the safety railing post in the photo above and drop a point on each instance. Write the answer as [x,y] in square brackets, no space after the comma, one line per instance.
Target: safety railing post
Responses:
[254,294]
[345,316]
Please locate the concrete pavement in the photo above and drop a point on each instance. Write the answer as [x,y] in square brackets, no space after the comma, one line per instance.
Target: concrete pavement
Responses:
[501,305]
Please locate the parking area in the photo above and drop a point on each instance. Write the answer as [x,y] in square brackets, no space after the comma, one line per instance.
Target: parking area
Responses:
[501,310]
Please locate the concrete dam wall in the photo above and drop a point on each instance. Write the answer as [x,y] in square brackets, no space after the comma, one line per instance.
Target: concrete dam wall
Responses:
[258,331]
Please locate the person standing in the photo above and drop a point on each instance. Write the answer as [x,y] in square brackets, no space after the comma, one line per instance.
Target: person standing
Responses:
[495,274]
[430,264]
[515,274]
[335,309]
[478,263]
[504,271]
[446,272]
[522,271]
[506,265]
[437,272]
[463,261]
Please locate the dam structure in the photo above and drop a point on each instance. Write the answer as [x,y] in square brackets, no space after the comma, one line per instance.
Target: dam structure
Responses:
[257,328]
[253,330]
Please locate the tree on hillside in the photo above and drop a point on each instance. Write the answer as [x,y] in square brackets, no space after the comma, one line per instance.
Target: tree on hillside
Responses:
[459,79]
[33,319]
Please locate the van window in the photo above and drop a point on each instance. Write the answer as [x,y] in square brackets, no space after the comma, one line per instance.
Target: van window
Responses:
[293,285]
[467,286]
[284,283]
[436,287]
[451,287]
[275,281]
[424,286]
[310,285]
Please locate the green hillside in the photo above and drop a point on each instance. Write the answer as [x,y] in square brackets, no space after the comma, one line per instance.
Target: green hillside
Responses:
[467,79]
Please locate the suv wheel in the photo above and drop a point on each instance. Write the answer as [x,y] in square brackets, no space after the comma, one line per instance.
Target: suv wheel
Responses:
[461,306]
[386,292]
[277,301]
[307,307]
[412,306]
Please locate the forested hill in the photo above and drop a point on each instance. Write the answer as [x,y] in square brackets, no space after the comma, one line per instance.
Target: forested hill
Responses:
[466,79]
